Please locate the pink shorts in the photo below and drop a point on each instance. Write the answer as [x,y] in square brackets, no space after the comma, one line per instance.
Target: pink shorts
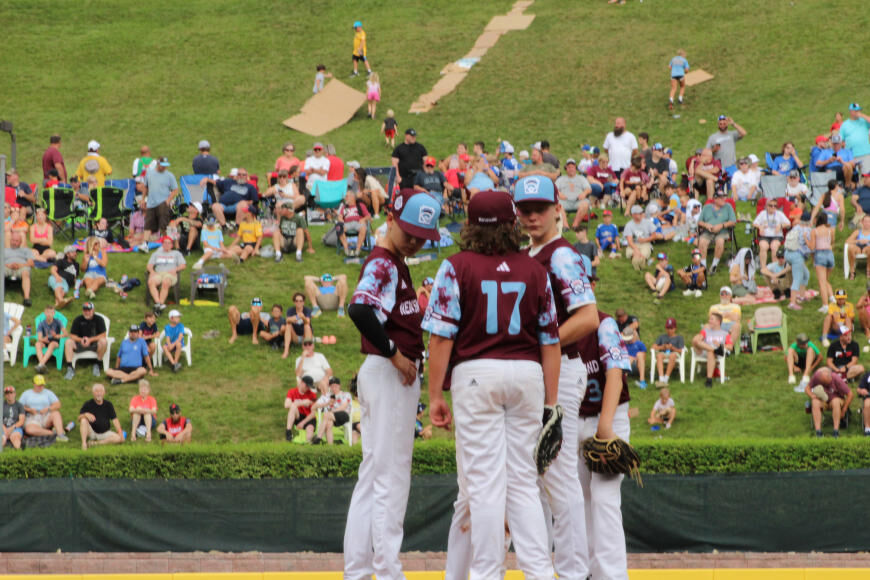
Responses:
[376,97]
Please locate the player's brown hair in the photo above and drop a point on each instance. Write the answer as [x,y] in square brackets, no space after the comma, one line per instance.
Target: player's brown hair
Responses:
[490,240]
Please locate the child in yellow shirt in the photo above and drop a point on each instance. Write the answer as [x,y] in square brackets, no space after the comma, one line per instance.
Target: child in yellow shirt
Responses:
[249,237]
[359,49]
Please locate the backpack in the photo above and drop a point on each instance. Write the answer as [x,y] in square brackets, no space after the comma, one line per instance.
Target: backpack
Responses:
[793,240]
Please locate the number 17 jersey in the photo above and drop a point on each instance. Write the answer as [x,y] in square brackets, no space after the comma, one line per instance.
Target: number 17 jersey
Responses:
[498,307]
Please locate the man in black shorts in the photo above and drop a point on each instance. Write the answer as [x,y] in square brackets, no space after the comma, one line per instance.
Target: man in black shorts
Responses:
[242,323]
[87,332]
[336,413]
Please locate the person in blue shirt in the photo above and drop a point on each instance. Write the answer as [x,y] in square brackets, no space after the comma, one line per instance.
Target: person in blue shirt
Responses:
[133,360]
[787,160]
[607,235]
[854,132]
[678,67]
[839,159]
[174,341]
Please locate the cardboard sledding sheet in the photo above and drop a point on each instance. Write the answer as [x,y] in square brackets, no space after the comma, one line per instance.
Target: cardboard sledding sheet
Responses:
[510,22]
[696,77]
[487,39]
[329,109]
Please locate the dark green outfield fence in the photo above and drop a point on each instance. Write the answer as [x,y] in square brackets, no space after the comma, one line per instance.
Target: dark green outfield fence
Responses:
[800,511]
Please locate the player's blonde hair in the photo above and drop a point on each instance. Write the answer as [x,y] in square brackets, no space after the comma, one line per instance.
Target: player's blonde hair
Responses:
[490,240]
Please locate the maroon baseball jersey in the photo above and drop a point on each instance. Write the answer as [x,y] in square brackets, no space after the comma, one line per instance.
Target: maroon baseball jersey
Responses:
[568,280]
[385,284]
[498,307]
[601,351]
[602,174]
[634,177]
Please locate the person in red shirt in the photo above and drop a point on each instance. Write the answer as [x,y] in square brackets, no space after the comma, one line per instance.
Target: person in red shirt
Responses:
[634,184]
[176,428]
[828,391]
[298,403]
[52,159]
[336,164]
[352,219]
[704,172]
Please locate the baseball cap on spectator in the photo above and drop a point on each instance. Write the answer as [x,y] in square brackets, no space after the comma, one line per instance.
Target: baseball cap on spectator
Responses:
[723,117]
[88,306]
[635,209]
[210,220]
[204,145]
[596,150]
[837,139]
[720,193]
[535,188]
[658,147]
[726,290]
[586,147]
[671,323]
[490,208]
[821,139]
[133,328]
[780,252]
[802,339]
[256,302]
[174,408]
[198,206]
[696,252]
[753,158]
[326,278]
[465,157]
[307,380]
[523,154]
[334,381]
[421,406]
[536,145]
[38,380]
[233,172]
[507,147]
[411,132]
[95,145]
[8,389]
[357,24]
[417,213]
[607,212]
[355,164]
[174,313]
[669,151]
[318,145]
[628,334]
[794,173]
[845,329]
[661,256]
[70,250]
[430,161]
[164,239]
[840,293]
[428,280]
[854,107]
[163,162]
[570,161]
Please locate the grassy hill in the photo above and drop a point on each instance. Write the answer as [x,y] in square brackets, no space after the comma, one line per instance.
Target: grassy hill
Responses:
[168,74]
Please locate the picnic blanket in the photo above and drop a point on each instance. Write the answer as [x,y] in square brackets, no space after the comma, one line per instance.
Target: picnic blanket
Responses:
[765,296]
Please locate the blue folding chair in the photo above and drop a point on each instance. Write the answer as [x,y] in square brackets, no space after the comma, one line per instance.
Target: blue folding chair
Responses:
[129,187]
[193,191]
[329,194]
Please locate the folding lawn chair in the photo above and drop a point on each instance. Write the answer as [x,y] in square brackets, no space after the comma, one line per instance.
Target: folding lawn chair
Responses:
[58,204]
[29,348]
[193,191]
[773,186]
[769,320]
[109,204]
[818,184]
[10,351]
[329,194]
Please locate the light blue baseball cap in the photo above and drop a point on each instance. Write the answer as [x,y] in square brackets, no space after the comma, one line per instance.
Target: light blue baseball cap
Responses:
[417,213]
[535,188]
[357,24]
[854,107]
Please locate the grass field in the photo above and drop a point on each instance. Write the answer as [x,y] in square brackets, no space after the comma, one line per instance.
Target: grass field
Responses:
[168,74]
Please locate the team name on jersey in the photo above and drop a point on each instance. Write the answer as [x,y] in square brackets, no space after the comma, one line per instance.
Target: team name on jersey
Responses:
[592,366]
[409,307]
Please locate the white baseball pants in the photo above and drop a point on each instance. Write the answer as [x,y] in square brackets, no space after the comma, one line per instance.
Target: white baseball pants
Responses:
[388,411]
[498,405]
[608,560]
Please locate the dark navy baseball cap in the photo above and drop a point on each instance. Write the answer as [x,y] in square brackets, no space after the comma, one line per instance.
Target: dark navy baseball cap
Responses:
[535,188]
[417,213]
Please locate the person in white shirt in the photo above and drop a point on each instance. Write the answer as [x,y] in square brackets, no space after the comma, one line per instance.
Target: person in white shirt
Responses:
[621,145]
[664,410]
[770,224]
[316,166]
[745,183]
[336,411]
[314,365]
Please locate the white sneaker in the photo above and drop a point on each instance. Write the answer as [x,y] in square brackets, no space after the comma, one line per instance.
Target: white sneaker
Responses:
[799,389]
[826,342]
[823,308]
[698,293]
[198,265]
[791,380]
[687,292]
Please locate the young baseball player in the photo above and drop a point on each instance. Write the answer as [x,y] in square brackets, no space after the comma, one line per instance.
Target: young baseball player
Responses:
[538,208]
[604,411]
[385,310]
[493,328]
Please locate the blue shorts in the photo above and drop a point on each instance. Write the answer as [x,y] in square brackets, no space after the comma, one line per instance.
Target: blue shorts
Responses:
[824,258]
[231,209]
[53,284]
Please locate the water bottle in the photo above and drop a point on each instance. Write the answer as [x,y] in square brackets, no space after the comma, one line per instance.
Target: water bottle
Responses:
[29,330]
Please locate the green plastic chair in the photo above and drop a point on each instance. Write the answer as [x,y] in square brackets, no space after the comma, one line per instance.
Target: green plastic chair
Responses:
[29,348]
[769,320]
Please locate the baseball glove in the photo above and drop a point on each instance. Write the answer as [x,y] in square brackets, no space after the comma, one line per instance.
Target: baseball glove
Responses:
[550,439]
[611,457]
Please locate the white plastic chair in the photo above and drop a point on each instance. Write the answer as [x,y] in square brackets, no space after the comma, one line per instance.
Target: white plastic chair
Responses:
[846,266]
[89,354]
[10,351]
[185,348]
[347,428]
[681,365]
[701,359]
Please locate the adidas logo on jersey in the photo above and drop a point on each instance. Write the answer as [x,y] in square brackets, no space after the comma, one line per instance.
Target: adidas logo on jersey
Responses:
[404,286]
[473,383]
[503,267]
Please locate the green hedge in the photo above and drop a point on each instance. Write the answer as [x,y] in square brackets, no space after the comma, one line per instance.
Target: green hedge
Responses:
[286,461]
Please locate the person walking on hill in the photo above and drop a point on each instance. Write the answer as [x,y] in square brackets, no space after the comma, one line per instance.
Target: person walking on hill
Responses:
[359,49]
[678,67]
[373,93]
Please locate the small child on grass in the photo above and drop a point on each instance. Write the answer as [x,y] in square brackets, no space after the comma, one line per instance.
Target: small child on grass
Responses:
[664,410]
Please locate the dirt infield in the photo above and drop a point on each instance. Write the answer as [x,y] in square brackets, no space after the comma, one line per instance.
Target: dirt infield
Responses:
[215,562]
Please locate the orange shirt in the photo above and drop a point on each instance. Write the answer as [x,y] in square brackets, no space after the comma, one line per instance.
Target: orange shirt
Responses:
[140,402]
